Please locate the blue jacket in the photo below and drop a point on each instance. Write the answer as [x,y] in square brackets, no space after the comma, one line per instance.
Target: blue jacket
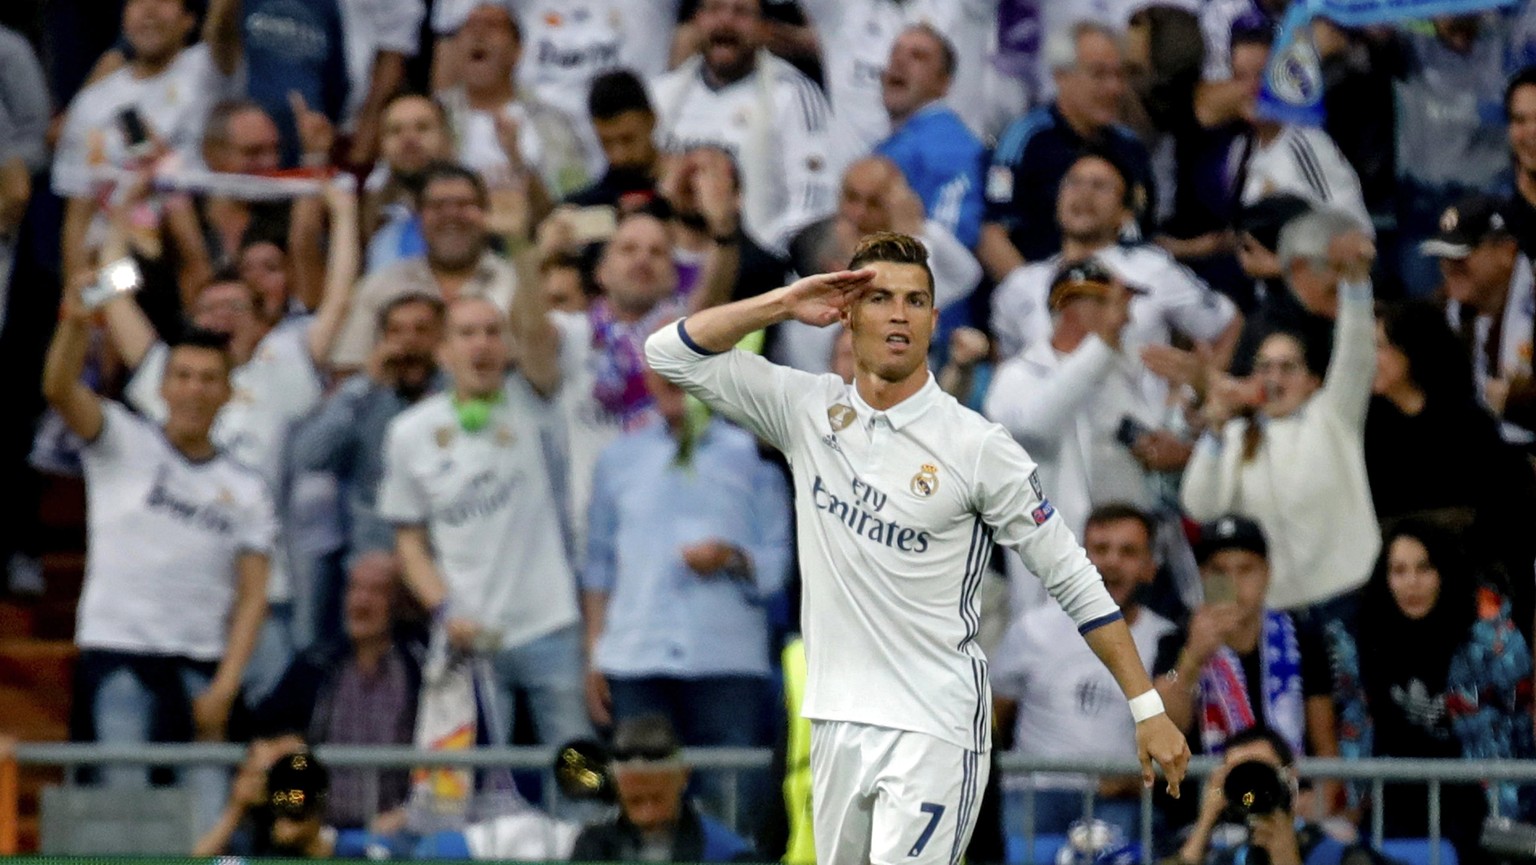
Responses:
[943,162]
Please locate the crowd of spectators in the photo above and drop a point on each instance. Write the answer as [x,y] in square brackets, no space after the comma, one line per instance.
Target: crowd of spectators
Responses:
[373,457]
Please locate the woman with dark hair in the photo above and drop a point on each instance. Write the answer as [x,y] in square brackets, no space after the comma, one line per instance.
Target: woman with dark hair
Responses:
[1433,668]
[1424,403]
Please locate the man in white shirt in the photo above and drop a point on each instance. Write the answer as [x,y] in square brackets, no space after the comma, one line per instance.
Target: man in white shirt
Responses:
[901,492]
[488,115]
[1060,696]
[1075,401]
[771,119]
[569,43]
[1090,208]
[857,37]
[467,485]
[169,86]
[180,535]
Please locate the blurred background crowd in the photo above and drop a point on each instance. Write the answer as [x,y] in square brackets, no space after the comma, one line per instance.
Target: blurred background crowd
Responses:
[371,454]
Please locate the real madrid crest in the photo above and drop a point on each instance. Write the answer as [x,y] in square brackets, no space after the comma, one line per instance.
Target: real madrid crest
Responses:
[926,482]
[841,416]
[444,436]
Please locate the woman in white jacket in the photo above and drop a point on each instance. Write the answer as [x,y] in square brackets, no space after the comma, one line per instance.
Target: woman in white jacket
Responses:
[1285,448]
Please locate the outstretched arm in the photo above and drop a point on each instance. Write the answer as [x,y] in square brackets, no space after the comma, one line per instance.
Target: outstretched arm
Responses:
[77,404]
[1157,739]
[815,300]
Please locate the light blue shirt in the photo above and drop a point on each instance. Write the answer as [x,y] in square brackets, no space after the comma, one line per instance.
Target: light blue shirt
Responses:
[663,619]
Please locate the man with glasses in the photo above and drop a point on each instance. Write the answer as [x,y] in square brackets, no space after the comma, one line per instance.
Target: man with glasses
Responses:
[459,261]
[1035,151]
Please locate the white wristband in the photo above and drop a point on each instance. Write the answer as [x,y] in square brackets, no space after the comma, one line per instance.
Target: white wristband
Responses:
[1148,705]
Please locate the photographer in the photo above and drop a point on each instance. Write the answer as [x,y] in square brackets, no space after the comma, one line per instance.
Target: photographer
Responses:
[1274,834]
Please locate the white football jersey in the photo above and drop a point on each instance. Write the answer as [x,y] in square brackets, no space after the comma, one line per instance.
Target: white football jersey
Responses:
[778,127]
[896,515]
[271,392]
[1304,161]
[1174,299]
[165,534]
[863,32]
[487,502]
[174,105]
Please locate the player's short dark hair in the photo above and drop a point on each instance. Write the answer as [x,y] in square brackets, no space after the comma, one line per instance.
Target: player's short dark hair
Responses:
[442,171]
[1524,78]
[203,339]
[893,248]
[1114,512]
[1267,734]
[616,92]
[947,51]
[435,304]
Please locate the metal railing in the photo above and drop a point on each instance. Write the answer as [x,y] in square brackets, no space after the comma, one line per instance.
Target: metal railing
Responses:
[1433,774]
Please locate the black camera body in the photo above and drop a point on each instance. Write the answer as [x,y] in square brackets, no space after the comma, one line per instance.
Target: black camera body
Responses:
[1255,789]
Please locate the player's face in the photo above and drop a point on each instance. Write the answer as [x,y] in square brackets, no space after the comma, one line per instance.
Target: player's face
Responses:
[1122,552]
[636,271]
[1522,127]
[475,352]
[892,322]
[1281,367]
[488,43]
[915,74]
[732,33]
[628,140]
[1250,577]
[195,387]
[413,135]
[1090,205]
[156,29]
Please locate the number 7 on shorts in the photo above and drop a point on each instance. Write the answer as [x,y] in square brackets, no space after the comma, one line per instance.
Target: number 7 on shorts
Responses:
[935,813]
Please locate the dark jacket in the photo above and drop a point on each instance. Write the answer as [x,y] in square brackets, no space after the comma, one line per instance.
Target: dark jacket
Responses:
[697,839]
[293,702]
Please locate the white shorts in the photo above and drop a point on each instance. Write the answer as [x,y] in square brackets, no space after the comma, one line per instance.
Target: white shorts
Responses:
[891,797]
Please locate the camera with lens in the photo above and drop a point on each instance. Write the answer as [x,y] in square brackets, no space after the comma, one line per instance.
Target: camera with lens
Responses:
[1255,789]
[582,771]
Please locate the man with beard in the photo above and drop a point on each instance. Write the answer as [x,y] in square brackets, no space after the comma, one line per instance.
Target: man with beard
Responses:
[458,262]
[414,136]
[346,436]
[763,112]
[625,125]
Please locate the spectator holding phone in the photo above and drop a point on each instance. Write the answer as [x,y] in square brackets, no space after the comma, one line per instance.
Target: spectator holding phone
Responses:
[1285,448]
[1238,662]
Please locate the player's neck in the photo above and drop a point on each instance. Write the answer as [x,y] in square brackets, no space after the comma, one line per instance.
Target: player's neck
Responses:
[882,395]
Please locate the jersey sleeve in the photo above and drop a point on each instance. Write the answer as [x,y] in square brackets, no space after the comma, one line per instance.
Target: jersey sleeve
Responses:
[258,534]
[1190,306]
[1012,502]
[71,161]
[402,501]
[743,386]
[143,390]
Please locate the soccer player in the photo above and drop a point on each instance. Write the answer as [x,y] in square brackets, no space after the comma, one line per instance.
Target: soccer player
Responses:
[900,495]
